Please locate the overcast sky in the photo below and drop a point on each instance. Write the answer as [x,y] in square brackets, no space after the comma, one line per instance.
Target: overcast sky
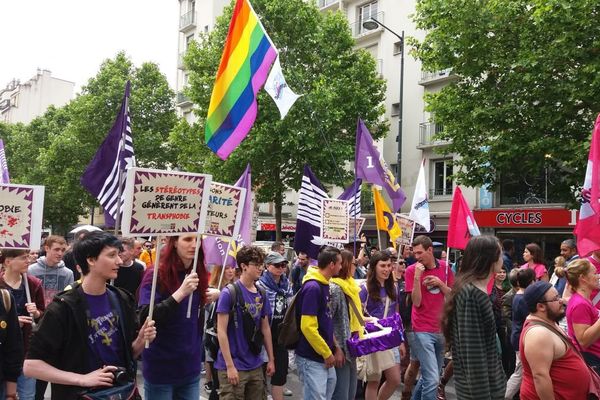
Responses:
[71,38]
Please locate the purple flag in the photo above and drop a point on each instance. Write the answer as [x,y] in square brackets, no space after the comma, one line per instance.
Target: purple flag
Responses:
[4,177]
[308,221]
[214,248]
[101,177]
[372,168]
[352,193]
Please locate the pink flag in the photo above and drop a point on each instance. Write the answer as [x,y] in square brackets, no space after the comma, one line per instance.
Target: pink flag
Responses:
[588,225]
[462,225]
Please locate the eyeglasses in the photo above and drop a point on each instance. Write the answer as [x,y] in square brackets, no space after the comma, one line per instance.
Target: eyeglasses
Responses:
[280,265]
[556,298]
[257,265]
[401,263]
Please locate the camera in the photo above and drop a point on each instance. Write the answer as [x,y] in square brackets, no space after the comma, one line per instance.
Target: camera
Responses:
[120,376]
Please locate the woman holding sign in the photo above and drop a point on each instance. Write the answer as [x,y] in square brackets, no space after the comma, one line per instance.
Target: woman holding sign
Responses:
[172,362]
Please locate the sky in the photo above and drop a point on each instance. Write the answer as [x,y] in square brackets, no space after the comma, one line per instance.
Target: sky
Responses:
[71,38]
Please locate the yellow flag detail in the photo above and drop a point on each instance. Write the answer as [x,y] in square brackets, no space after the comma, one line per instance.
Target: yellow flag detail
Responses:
[384,217]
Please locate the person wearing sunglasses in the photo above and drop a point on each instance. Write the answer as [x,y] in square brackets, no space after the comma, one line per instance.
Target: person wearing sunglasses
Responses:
[279,292]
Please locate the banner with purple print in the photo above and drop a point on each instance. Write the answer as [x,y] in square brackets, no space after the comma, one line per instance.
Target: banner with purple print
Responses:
[225,209]
[334,220]
[21,210]
[168,203]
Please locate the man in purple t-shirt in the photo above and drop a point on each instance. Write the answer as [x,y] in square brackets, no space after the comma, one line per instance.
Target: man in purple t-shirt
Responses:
[240,368]
[317,351]
[428,281]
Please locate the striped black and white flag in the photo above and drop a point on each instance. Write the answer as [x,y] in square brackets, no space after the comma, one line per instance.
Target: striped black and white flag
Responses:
[308,221]
[115,155]
[352,193]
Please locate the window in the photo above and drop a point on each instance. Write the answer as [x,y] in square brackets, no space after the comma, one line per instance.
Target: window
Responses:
[395,109]
[189,39]
[365,12]
[442,177]
[397,48]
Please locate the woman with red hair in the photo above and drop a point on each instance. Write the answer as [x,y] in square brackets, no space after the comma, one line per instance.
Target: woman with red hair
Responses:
[172,363]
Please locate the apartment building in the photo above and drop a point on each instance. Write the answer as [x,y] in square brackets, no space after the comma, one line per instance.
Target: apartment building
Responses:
[22,102]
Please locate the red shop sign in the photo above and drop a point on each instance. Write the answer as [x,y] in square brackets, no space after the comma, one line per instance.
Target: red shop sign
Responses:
[526,218]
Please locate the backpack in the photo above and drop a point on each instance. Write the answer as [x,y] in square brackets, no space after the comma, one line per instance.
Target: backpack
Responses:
[6,299]
[289,328]
[211,341]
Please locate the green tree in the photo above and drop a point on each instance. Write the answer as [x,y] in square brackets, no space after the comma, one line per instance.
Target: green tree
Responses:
[55,148]
[339,85]
[526,89]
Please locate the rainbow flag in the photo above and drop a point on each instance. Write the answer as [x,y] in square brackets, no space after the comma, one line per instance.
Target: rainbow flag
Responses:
[247,58]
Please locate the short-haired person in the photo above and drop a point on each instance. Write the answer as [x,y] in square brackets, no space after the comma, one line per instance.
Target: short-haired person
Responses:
[469,323]
[299,270]
[317,351]
[568,250]
[583,321]
[278,247]
[172,364]
[239,360]
[279,291]
[551,368]
[508,252]
[534,259]
[344,293]
[15,262]
[131,271]
[88,332]
[428,281]
[50,269]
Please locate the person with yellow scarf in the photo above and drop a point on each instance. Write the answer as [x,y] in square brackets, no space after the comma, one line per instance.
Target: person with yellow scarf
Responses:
[345,303]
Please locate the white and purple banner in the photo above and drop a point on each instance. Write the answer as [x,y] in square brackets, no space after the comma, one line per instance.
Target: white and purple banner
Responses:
[21,211]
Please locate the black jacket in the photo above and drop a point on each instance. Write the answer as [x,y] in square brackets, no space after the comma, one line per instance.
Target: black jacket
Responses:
[11,343]
[61,338]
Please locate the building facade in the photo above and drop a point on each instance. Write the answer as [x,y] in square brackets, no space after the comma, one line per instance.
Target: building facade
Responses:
[22,102]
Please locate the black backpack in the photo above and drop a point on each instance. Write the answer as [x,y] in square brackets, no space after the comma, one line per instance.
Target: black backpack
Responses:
[289,328]
[253,333]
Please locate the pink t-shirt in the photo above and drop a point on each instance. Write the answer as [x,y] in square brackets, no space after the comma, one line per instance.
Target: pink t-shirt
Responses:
[581,311]
[595,292]
[539,269]
[426,317]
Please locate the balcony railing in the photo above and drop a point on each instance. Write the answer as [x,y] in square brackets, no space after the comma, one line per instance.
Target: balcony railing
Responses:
[182,99]
[326,3]
[358,30]
[187,20]
[428,77]
[440,192]
[427,132]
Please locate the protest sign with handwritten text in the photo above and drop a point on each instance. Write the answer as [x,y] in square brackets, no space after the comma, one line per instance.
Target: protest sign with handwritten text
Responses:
[334,217]
[21,209]
[166,203]
[407,226]
[225,207]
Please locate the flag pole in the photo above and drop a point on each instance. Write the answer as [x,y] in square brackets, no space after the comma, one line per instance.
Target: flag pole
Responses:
[154,280]
[121,150]
[222,273]
[195,265]
[28,295]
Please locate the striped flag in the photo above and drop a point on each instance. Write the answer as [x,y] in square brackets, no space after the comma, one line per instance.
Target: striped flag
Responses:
[308,221]
[352,193]
[4,178]
[245,63]
[115,155]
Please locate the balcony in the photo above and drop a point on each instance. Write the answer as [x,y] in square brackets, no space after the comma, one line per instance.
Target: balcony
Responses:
[429,78]
[187,21]
[427,132]
[359,32]
[182,100]
[180,63]
[440,192]
[325,5]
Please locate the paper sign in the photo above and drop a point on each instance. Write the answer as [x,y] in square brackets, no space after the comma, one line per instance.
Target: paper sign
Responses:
[406,224]
[21,210]
[360,222]
[168,203]
[225,208]
[334,220]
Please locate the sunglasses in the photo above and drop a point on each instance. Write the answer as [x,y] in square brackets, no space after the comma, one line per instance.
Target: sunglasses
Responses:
[280,266]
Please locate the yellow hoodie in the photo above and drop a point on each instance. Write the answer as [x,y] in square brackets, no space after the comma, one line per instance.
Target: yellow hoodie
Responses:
[309,325]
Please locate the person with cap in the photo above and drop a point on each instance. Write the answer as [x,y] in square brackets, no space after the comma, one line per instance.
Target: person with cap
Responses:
[279,292]
[550,364]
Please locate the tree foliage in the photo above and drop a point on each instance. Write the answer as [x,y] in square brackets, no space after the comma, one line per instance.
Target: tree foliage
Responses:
[54,149]
[339,84]
[527,88]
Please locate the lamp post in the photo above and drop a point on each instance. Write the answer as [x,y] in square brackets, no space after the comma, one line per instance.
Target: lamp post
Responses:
[371,24]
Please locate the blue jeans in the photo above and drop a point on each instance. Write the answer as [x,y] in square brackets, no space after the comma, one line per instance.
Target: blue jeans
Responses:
[429,350]
[345,385]
[189,390]
[318,381]
[26,387]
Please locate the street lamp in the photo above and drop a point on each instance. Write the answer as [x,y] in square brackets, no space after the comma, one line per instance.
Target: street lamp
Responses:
[371,24]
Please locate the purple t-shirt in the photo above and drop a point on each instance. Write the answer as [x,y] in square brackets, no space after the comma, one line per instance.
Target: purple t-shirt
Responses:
[104,337]
[258,307]
[581,311]
[315,302]
[376,308]
[174,356]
